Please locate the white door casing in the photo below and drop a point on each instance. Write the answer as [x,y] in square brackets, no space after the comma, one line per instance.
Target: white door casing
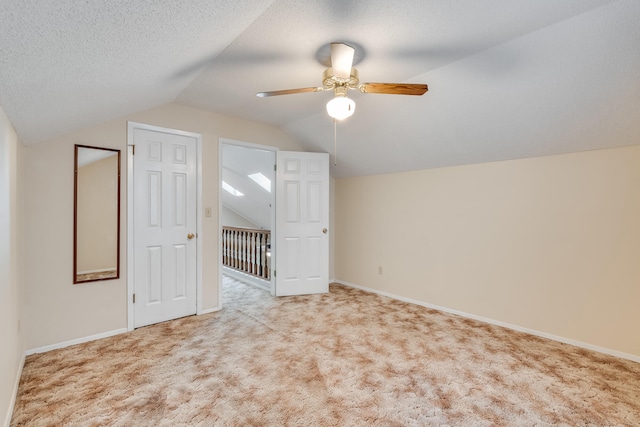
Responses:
[164,216]
[302,221]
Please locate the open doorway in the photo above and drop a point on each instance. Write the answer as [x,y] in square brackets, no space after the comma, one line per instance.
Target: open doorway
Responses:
[247,212]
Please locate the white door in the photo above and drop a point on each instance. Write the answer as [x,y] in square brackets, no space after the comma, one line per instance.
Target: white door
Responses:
[165,206]
[302,221]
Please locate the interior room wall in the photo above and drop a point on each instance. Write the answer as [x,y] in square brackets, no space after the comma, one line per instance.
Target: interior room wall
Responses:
[550,244]
[57,311]
[11,331]
[232,219]
[254,208]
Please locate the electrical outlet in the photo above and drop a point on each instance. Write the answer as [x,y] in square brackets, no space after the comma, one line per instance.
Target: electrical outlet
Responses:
[380,270]
[207,212]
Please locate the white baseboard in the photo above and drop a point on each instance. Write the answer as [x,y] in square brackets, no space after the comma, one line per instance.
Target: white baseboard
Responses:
[75,341]
[564,340]
[16,384]
[209,310]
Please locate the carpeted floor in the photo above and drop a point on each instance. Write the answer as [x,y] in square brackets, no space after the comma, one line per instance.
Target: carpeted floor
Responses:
[347,358]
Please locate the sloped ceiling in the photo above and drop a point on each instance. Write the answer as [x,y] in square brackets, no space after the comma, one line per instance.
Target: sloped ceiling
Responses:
[507,78]
[238,163]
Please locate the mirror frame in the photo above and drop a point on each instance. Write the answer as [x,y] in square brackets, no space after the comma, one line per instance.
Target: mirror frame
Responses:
[75,216]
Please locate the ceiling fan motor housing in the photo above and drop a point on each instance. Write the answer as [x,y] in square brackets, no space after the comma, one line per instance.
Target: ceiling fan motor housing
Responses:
[331,81]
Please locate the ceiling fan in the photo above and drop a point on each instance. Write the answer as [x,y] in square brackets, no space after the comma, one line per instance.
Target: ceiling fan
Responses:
[342,77]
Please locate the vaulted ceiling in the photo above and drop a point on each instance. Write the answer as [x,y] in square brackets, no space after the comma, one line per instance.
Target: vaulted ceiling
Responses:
[239,164]
[507,78]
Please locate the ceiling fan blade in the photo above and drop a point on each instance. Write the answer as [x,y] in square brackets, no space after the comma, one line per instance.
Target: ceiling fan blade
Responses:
[288,91]
[394,88]
[341,60]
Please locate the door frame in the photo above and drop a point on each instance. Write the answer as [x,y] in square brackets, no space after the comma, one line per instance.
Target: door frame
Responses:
[131,126]
[227,141]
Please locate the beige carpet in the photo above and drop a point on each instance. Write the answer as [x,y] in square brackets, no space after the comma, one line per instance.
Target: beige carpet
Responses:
[348,358]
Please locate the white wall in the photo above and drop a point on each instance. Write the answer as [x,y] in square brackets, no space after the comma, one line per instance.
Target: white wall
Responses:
[56,310]
[550,244]
[11,335]
[233,219]
[238,162]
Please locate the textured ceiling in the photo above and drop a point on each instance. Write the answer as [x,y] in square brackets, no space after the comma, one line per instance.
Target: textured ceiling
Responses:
[67,64]
[507,78]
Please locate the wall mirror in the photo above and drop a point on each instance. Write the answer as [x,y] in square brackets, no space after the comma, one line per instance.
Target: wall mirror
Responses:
[96,214]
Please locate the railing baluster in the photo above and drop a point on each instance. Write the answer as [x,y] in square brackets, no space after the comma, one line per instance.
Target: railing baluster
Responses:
[251,264]
[259,255]
[245,249]
[235,249]
[224,247]
[262,257]
[254,251]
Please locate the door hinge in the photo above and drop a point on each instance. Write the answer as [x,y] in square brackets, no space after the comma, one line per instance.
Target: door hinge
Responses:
[274,273]
[134,298]
[275,167]
[134,149]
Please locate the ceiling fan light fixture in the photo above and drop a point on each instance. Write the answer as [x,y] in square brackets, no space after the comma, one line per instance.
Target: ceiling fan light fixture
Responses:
[341,107]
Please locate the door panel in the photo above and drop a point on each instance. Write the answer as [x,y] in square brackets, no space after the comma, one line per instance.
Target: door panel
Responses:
[165,203]
[314,249]
[302,219]
[154,262]
[180,261]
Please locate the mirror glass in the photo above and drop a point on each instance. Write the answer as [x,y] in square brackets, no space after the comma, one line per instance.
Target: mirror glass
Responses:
[96,228]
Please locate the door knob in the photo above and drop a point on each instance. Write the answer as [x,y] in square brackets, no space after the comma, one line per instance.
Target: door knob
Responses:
[190,236]
[324,230]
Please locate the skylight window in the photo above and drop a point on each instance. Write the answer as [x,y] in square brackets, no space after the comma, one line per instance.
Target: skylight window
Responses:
[231,190]
[261,180]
